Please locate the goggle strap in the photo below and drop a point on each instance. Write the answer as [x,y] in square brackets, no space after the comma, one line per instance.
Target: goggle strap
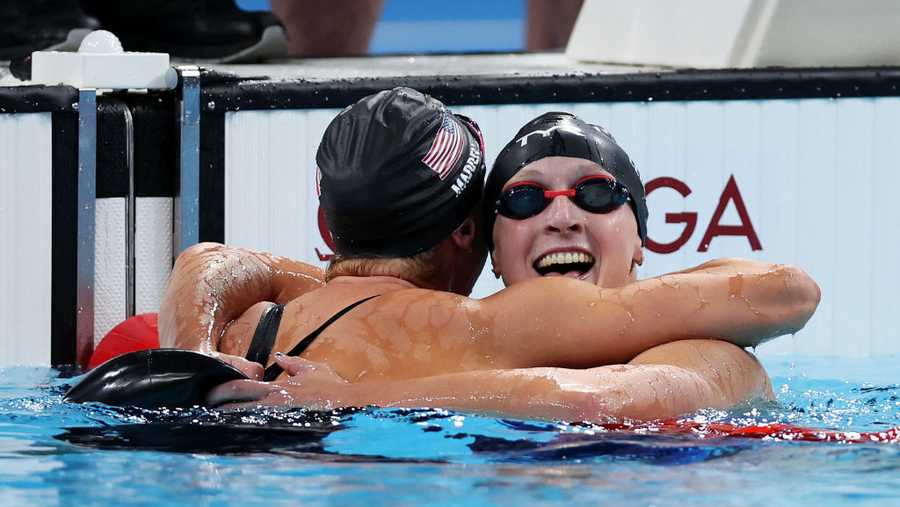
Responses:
[569,192]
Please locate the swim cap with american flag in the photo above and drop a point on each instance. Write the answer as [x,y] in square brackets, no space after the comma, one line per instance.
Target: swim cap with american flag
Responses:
[398,173]
[447,147]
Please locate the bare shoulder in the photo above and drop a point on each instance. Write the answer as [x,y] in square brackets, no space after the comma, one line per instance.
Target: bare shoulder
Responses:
[422,308]
[694,352]
[425,295]
[239,333]
[729,367]
[403,334]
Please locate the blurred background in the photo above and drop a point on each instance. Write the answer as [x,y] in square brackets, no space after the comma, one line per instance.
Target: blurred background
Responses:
[406,26]
[247,31]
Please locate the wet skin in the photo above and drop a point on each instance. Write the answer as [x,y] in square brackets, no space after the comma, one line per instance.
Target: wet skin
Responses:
[481,354]
[646,389]
[548,346]
[410,332]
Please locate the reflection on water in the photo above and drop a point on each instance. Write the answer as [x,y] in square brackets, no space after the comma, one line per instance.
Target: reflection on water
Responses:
[51,453]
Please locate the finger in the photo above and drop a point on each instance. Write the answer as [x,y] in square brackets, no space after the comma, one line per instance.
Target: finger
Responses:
[253,371]
[293,365]
[238,391]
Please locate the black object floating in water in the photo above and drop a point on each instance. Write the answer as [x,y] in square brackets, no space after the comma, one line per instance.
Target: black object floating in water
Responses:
[154,378]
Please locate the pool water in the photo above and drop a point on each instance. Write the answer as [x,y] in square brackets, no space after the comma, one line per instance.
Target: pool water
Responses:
[53,453]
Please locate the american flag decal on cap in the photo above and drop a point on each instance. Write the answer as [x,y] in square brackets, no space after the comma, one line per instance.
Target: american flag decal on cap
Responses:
[446,148]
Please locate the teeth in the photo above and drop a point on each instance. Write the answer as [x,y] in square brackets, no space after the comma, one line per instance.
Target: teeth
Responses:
[564,258]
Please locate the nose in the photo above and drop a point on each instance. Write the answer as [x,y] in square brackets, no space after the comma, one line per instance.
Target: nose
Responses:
[563,216]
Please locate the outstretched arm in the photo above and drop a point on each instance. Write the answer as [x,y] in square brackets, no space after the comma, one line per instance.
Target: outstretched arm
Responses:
[213,284]
[571,324]
[729,266]
[644,390]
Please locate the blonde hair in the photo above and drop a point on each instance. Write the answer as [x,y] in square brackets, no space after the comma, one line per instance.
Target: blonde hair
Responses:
[418,269]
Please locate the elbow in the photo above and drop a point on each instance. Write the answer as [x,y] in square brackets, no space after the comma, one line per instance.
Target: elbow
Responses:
[197,251]
[802,294]
[813,295]
[203,247]
[808,292]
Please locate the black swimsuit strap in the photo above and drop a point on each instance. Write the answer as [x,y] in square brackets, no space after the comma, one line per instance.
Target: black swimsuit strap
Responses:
[273,371]
[264,336]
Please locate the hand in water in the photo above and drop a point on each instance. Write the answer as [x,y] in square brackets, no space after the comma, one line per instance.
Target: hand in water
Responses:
[309,384]
[252,370]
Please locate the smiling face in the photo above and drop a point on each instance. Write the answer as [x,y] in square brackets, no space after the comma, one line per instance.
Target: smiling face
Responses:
[563,239]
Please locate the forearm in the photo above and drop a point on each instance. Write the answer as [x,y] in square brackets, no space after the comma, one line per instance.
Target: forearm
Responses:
[571,324]
[212,284]
[743,302]
[634,391]
[729,266]
[612,393]
[511,393]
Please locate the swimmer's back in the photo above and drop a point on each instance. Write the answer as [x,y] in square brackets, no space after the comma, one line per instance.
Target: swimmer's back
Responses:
[402,333]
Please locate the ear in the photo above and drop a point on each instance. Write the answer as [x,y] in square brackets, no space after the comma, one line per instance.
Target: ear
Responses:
[494,269]
[637,257]
[464,235]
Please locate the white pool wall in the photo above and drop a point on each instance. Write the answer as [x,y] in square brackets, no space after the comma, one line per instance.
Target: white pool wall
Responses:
[25,238]
[818,178]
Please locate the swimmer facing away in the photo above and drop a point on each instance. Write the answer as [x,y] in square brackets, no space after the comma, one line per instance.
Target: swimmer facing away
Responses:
[389,322]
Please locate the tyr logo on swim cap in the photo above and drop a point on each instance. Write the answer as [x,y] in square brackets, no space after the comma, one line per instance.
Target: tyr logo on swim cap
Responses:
[563,135]
[398,173]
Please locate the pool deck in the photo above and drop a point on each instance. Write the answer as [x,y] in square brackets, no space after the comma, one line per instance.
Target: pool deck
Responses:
[521,65]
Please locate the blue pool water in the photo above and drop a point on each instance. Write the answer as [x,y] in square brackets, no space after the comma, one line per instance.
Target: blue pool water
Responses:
[52,453]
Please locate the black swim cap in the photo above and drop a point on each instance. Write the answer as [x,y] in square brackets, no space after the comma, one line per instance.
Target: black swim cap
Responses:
[398,173]
[562,135]
[154,378]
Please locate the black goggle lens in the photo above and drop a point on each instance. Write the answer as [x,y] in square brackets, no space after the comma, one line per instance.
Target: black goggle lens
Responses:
[522,202]
[600,196]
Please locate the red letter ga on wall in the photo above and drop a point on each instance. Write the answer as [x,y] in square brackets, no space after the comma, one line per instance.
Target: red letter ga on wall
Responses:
[730,194]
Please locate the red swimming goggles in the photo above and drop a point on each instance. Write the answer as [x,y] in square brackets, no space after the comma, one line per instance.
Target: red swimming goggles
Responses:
[595,194]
